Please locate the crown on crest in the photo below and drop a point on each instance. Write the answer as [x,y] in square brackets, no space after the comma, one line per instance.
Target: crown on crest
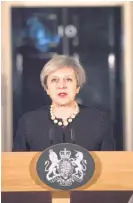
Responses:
[65,154]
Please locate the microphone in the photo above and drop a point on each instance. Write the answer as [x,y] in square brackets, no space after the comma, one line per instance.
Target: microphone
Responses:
[72,136]
[51,136]
[64,140]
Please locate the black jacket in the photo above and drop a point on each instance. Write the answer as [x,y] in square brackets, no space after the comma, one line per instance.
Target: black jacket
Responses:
[91,129]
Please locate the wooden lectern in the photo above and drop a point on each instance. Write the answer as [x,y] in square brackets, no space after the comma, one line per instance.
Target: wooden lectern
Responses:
[114,171]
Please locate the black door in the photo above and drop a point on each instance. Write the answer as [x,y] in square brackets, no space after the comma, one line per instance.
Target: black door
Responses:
[93,34]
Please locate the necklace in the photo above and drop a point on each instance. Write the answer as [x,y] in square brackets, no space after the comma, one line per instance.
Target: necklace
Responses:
[64,122]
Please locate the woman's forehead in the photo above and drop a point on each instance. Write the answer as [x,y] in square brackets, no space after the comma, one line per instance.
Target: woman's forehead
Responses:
[65,71]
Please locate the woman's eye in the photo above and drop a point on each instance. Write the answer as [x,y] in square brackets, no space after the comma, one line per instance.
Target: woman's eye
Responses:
[69,79]
[54,80]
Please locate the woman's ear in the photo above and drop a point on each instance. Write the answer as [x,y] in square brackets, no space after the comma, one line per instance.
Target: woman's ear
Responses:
[46,90]
[77,91]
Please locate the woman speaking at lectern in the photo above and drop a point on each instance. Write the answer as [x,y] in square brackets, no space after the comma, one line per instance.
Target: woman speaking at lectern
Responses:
[64,120]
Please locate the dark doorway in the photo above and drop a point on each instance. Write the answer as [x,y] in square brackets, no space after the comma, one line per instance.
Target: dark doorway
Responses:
[93,34]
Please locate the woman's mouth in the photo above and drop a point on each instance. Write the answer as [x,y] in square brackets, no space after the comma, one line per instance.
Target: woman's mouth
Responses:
[62,94]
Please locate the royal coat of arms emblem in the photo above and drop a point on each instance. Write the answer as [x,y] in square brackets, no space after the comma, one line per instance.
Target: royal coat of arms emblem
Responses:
[65,169]
[65,166]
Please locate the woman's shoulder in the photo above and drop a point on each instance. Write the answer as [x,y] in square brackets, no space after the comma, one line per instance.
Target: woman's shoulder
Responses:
[95,112]
[37,113]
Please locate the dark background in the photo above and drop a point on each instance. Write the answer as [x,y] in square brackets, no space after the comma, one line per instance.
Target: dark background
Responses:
[39,33]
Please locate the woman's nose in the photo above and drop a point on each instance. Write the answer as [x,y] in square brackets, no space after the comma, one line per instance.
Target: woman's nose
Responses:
[62,84]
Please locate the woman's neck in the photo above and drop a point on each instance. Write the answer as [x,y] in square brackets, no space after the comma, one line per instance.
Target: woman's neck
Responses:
[63,111]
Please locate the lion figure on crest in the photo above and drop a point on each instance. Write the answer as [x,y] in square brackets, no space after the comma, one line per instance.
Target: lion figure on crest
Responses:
[80,164]
[54,165]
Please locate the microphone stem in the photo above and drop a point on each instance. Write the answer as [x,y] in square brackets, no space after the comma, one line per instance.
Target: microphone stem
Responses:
[63,137]
[72,136]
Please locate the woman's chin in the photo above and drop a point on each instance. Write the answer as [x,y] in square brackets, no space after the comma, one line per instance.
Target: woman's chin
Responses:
[64,103]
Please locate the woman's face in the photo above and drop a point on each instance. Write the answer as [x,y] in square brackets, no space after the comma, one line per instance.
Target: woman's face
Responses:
[62,86]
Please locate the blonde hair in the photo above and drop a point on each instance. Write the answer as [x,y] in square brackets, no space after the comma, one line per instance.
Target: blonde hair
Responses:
[61,61]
